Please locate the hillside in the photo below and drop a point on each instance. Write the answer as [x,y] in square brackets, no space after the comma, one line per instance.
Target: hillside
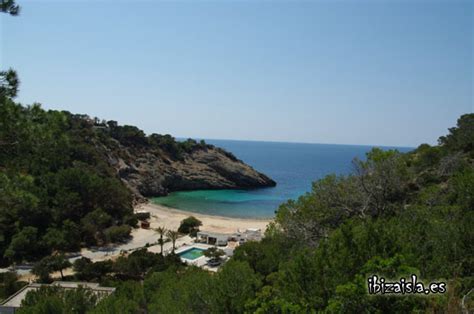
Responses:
[158,164]
[395,216]
[69,180]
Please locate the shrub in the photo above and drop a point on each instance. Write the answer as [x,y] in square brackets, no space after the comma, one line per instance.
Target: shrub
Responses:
[117,233]
[142,215]
[190,226]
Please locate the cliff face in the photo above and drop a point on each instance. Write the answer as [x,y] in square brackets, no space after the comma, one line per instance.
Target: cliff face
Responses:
[155,171]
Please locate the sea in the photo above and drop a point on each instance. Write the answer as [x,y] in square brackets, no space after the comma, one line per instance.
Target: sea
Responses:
[294,166]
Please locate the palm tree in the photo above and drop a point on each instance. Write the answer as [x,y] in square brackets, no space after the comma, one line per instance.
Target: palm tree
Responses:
[161,231]
[173,235]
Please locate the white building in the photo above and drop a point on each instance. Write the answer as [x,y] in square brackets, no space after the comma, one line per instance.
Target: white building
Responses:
[213,238]
[221,239]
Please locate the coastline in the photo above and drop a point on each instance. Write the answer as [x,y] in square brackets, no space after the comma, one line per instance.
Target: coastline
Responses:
[171,218]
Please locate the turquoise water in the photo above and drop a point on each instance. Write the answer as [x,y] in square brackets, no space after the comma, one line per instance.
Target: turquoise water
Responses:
[192,254]
[293,166]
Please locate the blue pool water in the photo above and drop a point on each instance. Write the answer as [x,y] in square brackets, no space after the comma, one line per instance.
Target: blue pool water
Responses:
[192,253]
[293,166]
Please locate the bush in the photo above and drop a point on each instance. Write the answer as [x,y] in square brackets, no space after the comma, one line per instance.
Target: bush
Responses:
[50,264]
[214,253]
[9,284]
[59,300]
[190,226]
[131,220]
[86,270]
[117,233]
[142,215]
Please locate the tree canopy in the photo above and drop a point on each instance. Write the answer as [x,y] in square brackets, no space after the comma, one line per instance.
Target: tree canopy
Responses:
[190,226]
[395,215]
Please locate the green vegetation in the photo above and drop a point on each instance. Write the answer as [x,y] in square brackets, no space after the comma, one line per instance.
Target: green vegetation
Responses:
[10,7]
[190,226]
[396,215]
[57,189]
[52,299]
[9,284]
[161,232]
[50,264]
[214,254]
[142,215]
[135,266]
[173,236]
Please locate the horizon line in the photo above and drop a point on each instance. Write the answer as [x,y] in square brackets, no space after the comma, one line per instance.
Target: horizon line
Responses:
[294,142]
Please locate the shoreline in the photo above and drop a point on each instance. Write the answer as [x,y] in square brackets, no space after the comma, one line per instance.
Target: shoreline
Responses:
[191,213]
[171,218]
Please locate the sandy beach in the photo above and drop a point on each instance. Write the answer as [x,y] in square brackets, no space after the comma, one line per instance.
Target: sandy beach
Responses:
[171,218]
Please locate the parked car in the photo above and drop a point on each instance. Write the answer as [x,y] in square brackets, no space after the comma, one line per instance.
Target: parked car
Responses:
[214,262]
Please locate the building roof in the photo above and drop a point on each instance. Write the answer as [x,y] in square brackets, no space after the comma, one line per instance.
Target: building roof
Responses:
[214,234]
[16,299]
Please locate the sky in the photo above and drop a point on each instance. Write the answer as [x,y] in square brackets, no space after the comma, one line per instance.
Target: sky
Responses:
[395,73]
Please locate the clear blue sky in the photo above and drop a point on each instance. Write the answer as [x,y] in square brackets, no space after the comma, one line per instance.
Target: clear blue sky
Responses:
[348,72]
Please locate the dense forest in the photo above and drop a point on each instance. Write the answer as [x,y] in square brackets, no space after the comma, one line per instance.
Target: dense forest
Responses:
[57,188]
[68,180]
[395,215]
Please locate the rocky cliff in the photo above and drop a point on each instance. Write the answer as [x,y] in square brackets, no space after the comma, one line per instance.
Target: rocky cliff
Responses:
[161,165]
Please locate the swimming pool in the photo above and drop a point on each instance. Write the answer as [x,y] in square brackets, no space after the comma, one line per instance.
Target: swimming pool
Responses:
[192,253]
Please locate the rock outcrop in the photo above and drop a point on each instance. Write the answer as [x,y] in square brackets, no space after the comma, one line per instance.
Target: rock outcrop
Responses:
[153,171]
